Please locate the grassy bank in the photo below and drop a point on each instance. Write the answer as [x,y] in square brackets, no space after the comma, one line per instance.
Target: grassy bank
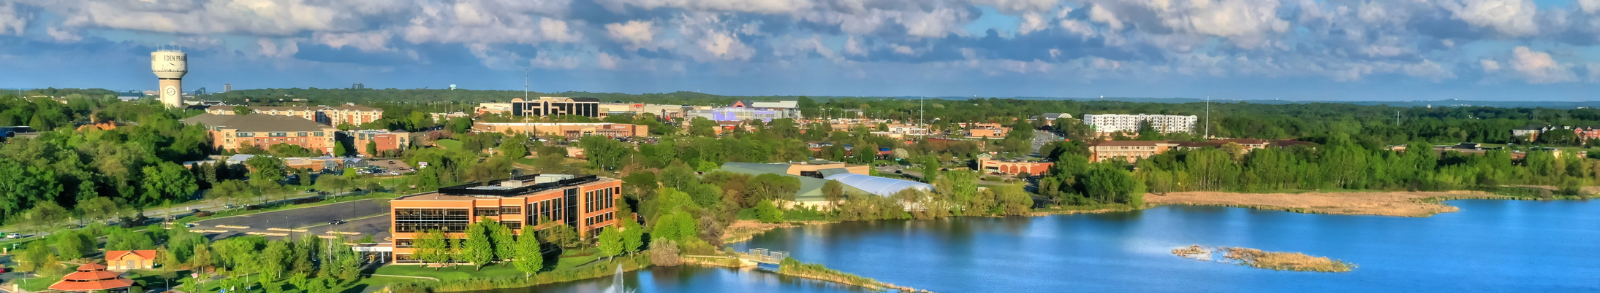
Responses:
[471,281]
[792,267]
[1398,203]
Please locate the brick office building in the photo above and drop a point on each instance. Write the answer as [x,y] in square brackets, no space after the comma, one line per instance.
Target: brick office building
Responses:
[230,132]
[587,203]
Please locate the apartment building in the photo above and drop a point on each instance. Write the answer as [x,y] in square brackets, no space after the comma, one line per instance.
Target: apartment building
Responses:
[346,114]
[1127,150]
[230,132]
[383,141]
[568,130]
[541,201]
[1105,124]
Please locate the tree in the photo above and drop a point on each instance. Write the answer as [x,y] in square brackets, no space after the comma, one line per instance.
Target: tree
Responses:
[266,168]
[97,208]
[339,150]
[664,253]
[833,191]
[230,189]
[372,148]
[529,258]
[241,110]
[610,242]
[768,212]
[72,244]
[432,248]
[632,235]
[604,152]
[676,226]
[167,180]
[202,257]
[563,235]
[274,260]
[505,247]
[479,249]
[46,215]
[305,176]
[335,184]
[930,169]
[700,126]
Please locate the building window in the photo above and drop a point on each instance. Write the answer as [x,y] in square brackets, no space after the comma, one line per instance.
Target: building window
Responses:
[512,210]
[488,212]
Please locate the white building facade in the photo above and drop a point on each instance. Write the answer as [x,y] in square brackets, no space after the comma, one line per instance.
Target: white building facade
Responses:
[1111,123]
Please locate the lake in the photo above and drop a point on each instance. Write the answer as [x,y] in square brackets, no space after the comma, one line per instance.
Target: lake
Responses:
[1489,246]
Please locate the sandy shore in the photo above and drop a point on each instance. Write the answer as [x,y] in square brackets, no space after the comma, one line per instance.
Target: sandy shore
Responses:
[1402,204]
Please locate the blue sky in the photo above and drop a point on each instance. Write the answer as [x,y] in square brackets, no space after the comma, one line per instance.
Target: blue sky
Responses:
[1227,49]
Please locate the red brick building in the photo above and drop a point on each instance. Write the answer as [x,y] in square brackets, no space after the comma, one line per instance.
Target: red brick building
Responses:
[587,203]
[383,141]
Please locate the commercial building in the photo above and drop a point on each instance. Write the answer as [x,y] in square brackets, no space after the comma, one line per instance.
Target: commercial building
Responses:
[1105,124]
[553,106]
[988,164]
[663,111]
[1050,118]
[541,201]
[1127,150]
[382,141]
[347,114]
[91,278]
[230,132]
[747,110]
[493,108]
[568,130]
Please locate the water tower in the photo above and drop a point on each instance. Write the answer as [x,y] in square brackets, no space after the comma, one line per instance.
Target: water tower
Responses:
[170,66]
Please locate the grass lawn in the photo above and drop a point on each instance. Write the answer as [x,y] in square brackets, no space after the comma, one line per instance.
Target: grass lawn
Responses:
[449,143]
[448,273]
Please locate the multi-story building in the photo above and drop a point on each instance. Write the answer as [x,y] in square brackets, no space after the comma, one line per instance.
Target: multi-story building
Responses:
[662,111]
[383,141]
[347,114]
[1127,150]
[746,110]
[568,130]
[1248,144]
[551,106]
[493,108]
[988,164]
[587,203]
[1112,123]
[230,132]
[350,114]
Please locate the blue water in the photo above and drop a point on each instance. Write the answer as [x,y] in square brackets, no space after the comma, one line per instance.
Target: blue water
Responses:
[1488,246]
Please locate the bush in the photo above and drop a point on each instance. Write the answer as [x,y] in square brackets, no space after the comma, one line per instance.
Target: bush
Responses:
[768,212]
[747,214]
[664,253]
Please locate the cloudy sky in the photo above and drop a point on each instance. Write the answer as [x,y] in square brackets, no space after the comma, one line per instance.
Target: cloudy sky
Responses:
[1228,49]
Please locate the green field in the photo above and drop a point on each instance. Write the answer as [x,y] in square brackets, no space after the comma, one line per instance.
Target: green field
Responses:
[449,144]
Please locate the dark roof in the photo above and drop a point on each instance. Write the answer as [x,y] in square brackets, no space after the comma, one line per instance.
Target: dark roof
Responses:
[1129,143]
[256,122]
[586,100]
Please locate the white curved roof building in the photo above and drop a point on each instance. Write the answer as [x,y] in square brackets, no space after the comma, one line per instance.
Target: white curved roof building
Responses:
[877,185]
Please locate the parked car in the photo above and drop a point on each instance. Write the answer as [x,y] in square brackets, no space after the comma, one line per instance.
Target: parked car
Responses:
[227,206]
[13,236]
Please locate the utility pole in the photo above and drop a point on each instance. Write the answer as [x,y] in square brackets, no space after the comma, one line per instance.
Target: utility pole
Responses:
[1208,118]
[1397,118]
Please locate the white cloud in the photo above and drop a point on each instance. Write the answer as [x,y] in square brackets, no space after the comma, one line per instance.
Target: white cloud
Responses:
[633,34]
[902,50]
[1078,27]
[10,20]
[1509,17]
[724,47]
[606,60]
[1429,70]
[270,48]
[1589,6]
[1032,22]
[63,35]
[853,47]
[1538,67]
[377,41]
[1489,65]
[1099,14]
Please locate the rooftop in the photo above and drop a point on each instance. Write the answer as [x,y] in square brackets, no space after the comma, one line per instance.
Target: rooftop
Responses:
[256,122]
[515,186]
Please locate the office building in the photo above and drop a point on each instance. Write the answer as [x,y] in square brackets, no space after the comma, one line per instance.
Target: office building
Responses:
[1105,124]
[555,106]
[230,132]
[587,203]
[568,130]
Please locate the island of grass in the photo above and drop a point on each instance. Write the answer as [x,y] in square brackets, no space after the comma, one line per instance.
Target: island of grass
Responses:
[1256,258]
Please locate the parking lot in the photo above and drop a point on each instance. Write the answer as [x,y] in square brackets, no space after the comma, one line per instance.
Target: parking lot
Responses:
[358,214]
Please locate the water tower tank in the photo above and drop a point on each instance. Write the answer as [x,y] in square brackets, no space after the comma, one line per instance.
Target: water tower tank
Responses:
[169,64]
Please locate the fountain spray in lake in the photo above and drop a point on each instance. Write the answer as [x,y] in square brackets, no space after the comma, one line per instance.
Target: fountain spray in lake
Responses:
[616,283]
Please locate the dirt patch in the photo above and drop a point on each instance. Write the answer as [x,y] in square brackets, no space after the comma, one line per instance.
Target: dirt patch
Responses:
[1256,258]
[743,230]
[1402,204]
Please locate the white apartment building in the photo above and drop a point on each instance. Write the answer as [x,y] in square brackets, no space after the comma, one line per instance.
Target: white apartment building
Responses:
[1110,123]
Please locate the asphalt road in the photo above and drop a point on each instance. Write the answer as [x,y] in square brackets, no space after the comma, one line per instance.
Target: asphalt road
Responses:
[299,218]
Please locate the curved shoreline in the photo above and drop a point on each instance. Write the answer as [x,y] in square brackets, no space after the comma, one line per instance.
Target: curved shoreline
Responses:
[1376,203]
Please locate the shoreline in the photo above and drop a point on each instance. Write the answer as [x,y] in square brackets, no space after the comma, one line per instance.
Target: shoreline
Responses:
[1371,203]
